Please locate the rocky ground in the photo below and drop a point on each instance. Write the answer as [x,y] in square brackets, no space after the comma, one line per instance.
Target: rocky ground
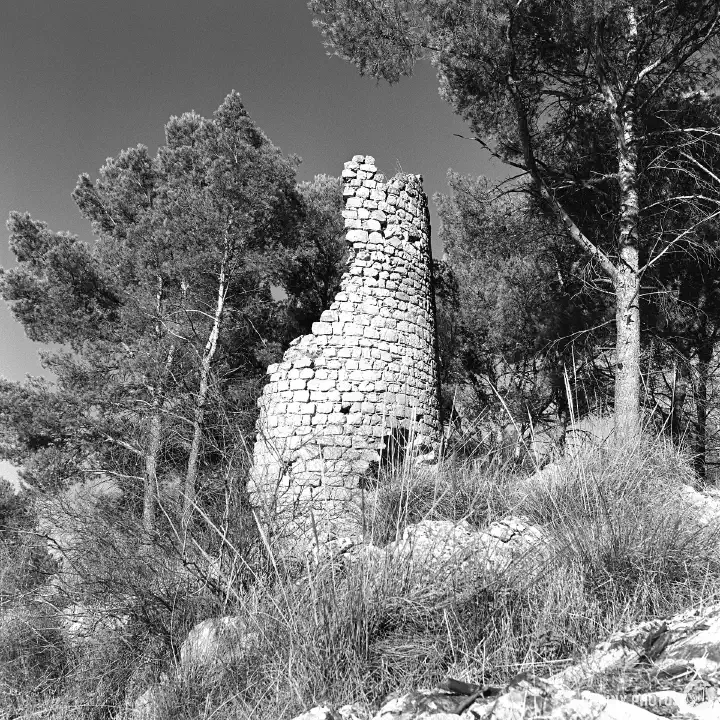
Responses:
[663,668]
[667,668]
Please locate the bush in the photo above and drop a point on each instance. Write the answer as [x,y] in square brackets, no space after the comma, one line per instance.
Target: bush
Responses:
[623,520]
[33,655]
[110,667]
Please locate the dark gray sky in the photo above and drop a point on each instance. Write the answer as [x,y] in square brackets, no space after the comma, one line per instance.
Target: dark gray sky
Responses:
[81,80]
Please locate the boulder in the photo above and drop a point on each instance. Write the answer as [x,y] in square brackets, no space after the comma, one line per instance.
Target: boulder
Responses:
[688,642]
[217,642]
[447,559]
[211,645]
[327,547]
[679,657]
[318,713]
[355,711]
[526,697]
[148,705]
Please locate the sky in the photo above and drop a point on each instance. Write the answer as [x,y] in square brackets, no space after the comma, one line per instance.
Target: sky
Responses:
[81,80]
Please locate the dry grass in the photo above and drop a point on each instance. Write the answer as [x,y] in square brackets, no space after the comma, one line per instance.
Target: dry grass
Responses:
[626,548]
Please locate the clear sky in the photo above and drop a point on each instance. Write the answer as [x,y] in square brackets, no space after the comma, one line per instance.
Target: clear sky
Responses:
[81,80]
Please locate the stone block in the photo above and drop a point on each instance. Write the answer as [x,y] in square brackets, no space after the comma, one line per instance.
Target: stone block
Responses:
[322,385]
[352,397]
[321,328]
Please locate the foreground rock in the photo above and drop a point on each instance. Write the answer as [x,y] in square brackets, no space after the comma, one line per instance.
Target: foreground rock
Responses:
[656,669]
[705,505]
[525,698]
[678,658]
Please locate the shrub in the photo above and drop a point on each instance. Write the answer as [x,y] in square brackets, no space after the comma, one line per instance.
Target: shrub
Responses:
[33,655]
[623,520]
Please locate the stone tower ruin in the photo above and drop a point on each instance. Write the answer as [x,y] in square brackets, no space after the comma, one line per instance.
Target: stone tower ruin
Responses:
[364,385]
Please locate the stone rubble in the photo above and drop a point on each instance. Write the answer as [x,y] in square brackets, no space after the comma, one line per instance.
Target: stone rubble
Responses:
[363,385]
[447,559]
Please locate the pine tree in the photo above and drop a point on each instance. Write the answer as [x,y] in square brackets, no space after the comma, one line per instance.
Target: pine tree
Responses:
[563,91]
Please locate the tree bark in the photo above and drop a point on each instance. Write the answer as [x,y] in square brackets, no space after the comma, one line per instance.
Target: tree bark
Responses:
[150,494]
[701,408]
[680,390]
[151,456]
[627,281]
[150,489]
[627,350]
[203,387]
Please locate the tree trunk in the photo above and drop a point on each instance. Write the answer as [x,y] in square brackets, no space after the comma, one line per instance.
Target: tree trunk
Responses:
[150,493]
[627,367]
[201,397]
[701,405]
[627,281]
[150,489]
[680,389]
[151,455]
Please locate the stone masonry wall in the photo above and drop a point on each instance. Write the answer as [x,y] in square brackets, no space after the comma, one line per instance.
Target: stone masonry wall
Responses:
[364,383]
